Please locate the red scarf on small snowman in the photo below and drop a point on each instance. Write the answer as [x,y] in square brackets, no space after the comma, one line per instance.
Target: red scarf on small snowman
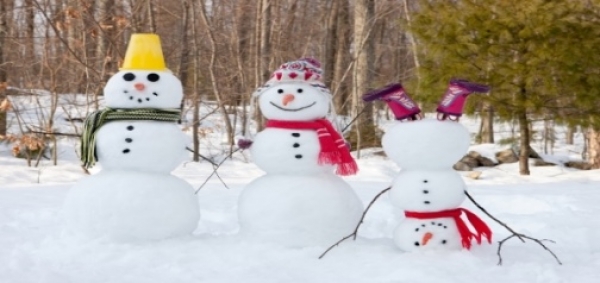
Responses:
[466,235]
[333,149]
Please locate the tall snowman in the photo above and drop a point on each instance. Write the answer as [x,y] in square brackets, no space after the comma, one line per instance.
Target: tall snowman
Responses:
[138,143]
[427,188]
[300,201]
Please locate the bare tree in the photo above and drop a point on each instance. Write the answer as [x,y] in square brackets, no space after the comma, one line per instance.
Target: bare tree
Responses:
[211,71]
[593,149]
[363,134]
[3,63]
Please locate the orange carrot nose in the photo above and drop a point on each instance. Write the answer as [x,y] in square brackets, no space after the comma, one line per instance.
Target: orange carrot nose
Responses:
[287,99]
[426,238]
[139,86]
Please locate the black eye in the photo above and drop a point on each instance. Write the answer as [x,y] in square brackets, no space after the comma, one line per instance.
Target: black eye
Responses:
[280,91]
[153,77]
[129,77]
[300,90]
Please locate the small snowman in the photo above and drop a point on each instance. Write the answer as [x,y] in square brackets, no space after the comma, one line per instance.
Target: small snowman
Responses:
[427,188]
[138,142]
[300,201]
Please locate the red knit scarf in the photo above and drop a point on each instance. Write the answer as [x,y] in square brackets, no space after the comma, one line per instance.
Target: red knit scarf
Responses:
[466,235]
[333,148]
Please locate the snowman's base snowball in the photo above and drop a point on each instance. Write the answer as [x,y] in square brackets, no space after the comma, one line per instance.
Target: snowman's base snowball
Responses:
[299,210]
[130,206]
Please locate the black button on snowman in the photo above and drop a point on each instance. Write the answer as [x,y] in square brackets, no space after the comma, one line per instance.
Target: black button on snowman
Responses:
[427,188]
[300,201]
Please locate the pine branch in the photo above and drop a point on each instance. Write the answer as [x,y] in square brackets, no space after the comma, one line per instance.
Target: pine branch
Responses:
[514,234]
[362,218]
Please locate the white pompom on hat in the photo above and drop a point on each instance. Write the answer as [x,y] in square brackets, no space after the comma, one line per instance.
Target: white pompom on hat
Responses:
[304,70]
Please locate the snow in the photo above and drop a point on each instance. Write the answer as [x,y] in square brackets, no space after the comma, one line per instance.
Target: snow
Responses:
[274,151]
[307,102]
[426,150]
[427,191]
[299,210]
[131,206]
[139,91]
[299,202]
[426,144]
[151,146]
[555,202]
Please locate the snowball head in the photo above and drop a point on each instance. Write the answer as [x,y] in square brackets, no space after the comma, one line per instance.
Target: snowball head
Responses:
[143,89]
[298,211]
[426,144]
[284,151]
[427,190]
[431,234]
[293,102]
[141,146]
[131,206]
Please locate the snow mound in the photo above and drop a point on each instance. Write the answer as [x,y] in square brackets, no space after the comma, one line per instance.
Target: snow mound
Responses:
[131,206]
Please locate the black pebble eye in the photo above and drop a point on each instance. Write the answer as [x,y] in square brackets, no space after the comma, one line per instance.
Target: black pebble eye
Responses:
[425,181]
[129,77]
[153,77]
[280,91]
[300,90]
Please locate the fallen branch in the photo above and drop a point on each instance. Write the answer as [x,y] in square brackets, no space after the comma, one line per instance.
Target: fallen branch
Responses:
[53,133]
[215,168]
[514,234]
[362,218]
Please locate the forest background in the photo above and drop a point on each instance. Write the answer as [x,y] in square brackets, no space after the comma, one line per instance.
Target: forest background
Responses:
[540,57]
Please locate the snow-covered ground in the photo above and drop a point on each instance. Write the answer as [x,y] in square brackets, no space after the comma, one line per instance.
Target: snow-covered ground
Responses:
[554,202]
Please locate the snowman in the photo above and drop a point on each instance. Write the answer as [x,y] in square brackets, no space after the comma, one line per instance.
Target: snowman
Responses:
[137,141]
[299,201]
[427,188]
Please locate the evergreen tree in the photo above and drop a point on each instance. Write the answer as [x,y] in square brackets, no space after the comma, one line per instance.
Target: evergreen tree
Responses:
[539,56]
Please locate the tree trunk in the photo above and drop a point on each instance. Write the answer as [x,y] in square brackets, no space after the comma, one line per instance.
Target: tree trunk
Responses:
[593,149]
[196,83]
[264,47]
[151,23]
[364,132]
[487,123]
[570,134]
[243,21]
[3,77]
[339,84]
[106,60]
[524,135]
[330,42]
[212,73]
[407,11]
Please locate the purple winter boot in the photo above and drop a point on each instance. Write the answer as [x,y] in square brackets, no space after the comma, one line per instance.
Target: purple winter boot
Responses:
[454,99]
[396,98]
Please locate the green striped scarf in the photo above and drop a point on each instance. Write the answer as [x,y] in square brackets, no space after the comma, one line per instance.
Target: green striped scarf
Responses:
[95,120]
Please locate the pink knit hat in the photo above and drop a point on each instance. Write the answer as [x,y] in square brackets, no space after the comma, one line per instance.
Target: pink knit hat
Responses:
[304,70]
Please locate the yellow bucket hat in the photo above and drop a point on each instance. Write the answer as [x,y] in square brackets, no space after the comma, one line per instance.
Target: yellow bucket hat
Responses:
[144,52]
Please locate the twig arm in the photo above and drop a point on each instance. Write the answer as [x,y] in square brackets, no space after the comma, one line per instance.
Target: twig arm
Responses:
[362,218]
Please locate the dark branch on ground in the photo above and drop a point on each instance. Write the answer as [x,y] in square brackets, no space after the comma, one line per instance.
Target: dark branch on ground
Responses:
[215,168]
[362,218]
[514,234]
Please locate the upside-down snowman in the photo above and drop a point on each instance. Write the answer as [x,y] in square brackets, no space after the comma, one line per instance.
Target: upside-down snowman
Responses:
[427,188]
[300,201]
[137,141]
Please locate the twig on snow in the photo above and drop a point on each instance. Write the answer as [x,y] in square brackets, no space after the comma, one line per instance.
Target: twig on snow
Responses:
[215,168]
[362,218]
[514,234]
